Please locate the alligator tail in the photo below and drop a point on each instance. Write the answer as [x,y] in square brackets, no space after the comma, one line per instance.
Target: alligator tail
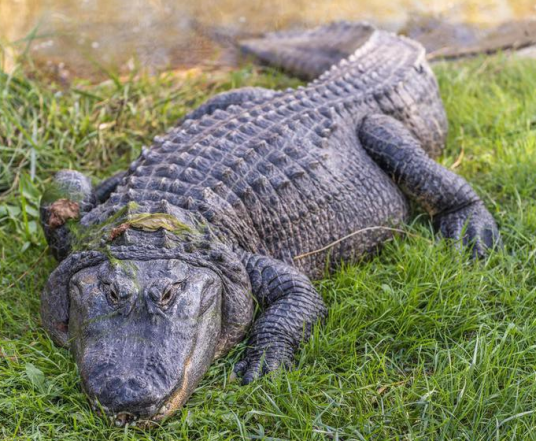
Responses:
[307,54]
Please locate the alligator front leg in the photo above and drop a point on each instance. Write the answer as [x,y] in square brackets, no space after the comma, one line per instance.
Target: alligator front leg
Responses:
[69,196]
[105,188]
[291,306]
[457,210]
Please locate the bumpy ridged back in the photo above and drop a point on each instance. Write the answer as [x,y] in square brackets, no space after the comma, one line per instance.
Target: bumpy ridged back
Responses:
[283,175]
[410,92]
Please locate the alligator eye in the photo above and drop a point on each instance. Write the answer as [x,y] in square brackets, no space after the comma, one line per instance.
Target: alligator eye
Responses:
[167,296]
[170,292]
[112,295]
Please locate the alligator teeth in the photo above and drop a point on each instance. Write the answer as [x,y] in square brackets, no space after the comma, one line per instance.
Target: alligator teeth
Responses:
[121,419]
[164,409]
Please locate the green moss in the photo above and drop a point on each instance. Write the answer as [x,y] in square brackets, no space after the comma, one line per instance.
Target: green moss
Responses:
[156,221]
[100,236]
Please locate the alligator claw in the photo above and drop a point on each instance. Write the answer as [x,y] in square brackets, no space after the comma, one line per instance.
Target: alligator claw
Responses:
[253,367]
[472,226]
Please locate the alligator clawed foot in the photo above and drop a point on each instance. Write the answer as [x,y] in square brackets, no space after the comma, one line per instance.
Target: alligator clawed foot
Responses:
[471,226]
[254,367]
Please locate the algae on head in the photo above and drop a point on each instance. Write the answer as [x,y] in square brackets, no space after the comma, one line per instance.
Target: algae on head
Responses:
[156,221]
[100,236]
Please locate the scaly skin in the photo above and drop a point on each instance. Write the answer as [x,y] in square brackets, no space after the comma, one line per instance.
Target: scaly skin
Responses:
[255,191]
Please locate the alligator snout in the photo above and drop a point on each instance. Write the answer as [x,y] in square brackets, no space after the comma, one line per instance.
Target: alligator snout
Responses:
[128,398]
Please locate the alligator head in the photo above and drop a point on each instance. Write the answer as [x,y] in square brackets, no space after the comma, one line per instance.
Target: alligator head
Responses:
[144,324]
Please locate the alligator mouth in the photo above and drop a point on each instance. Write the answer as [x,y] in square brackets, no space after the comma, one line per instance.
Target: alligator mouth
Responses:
[123,418]
[171,404]
[177,398]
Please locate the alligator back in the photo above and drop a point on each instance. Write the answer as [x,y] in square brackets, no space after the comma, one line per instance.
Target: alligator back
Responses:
[286,175]
[309,54]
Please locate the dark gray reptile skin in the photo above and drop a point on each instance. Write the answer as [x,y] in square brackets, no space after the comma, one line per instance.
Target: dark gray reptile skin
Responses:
[269,189]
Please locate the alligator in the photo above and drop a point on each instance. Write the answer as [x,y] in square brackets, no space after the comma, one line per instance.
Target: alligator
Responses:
[253,195]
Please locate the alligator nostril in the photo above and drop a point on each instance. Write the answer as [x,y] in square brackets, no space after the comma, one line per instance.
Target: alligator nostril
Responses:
[136,384]
[130,396]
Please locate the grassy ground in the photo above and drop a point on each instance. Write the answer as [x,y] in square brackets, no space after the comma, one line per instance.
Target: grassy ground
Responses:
[420,343]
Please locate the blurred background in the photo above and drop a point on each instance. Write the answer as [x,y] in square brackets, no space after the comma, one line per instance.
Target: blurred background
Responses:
[85,38]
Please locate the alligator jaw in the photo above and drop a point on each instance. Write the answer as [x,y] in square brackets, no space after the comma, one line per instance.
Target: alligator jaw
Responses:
[123,418]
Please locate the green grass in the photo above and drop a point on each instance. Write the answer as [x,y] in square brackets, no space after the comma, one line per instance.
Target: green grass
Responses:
[420,343]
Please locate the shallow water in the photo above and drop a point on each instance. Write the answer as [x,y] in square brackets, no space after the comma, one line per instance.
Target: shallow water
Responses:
[83,37]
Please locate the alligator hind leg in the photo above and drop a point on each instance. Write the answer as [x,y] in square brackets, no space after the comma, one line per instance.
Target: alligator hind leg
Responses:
[291,306]
[68,197]
[457,210]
